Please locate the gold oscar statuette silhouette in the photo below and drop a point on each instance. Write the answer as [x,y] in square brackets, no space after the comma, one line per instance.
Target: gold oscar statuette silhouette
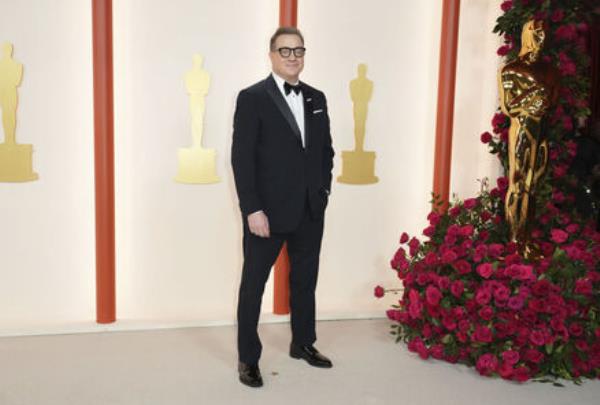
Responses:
[358,165]
[15,159]
[197,164]
[528,88]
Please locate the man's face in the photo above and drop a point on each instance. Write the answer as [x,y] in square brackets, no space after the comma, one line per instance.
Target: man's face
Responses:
[288,68]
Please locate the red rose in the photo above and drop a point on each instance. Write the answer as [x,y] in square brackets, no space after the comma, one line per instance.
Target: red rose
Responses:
[462,267]
[454,211]
[521,374]
[403,238]
[515,303]
[482,334]
[486,313]
[433,218]
[559,236]
[433,295]
[486,137]
[483,296]
[557,16]
[456,288]
[448,256]
[443,283]
[583,287]
[503,50]
[379,291]
[576,329]
[487,364]
[449,323]
[510,357]
[533,356]
[506,5]
[437,351]
[572,228]
[429,231]
[413,246]
[505,370]
[495,249]
[485,270]
[502,293]
[471,203]
[466,230]
[537,338]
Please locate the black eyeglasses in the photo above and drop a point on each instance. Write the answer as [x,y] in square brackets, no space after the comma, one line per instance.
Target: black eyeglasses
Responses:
[286,52]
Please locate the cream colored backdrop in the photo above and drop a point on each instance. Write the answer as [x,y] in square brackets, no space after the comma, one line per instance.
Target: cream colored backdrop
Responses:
[47,226]
[179,246]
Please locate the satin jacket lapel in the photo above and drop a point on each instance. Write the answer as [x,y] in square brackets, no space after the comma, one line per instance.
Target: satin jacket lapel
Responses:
[283,106]
[308,116]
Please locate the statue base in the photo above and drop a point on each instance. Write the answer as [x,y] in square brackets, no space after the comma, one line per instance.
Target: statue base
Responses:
[358,167]
[16,163]
[197,166]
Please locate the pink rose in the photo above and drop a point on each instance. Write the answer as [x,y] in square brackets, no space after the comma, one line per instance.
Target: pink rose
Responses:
[454,211]
[485,270]
[379,291]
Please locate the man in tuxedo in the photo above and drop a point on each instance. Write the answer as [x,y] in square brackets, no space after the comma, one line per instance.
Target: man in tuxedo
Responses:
[282,160]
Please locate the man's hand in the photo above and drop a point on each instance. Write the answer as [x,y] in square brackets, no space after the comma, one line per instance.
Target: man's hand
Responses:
[259,224]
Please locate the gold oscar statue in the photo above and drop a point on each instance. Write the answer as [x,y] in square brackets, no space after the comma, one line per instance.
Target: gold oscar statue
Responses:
[15,159]
[358,165]
[528,88]
[196,164]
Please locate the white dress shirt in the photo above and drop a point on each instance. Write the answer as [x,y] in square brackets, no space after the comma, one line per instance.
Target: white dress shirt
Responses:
[296,103]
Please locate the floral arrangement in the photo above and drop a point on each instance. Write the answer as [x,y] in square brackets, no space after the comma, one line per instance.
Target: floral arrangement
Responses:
[468,296]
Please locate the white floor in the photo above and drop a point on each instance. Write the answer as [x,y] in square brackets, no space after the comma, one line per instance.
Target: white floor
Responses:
[198,366]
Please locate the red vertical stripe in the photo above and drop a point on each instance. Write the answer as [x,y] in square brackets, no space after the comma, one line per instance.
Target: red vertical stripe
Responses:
[288,17]
[445,102]
[104,160]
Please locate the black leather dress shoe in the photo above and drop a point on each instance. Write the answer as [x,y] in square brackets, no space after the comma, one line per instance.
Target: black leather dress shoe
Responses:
[311,355]
[250,375]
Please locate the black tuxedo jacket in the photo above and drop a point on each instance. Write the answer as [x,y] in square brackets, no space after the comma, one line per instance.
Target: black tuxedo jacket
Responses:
[273,172]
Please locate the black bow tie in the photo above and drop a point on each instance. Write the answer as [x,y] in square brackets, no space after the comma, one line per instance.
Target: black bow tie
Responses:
[289,87]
